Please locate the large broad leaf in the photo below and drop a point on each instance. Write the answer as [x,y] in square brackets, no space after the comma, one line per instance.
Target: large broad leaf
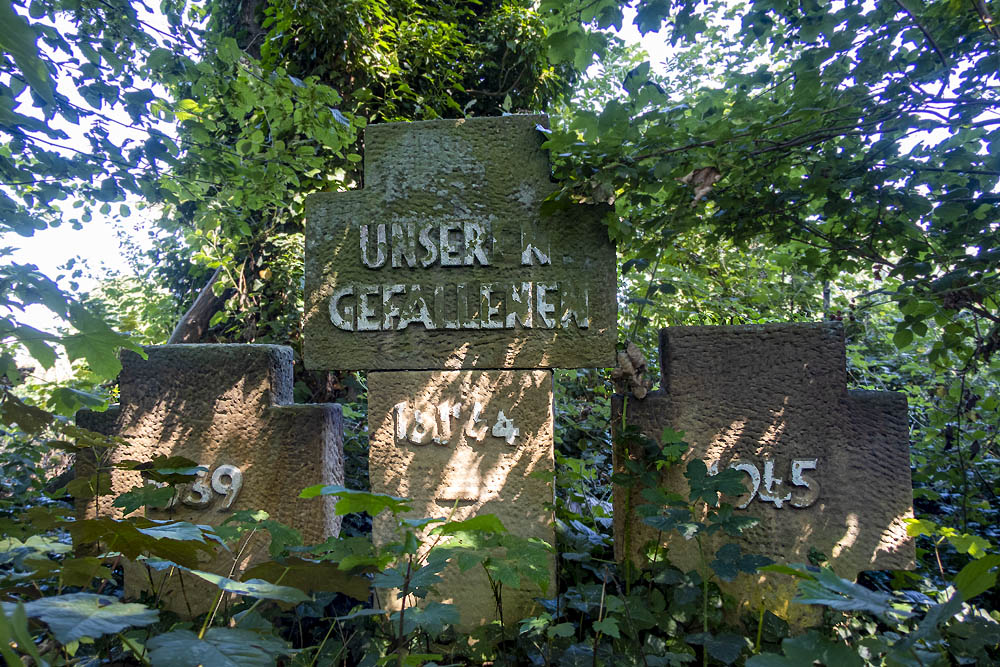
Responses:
[730,561]
[245,521]
[977,576]
[830,590]
[352,500]
[14,631]
[311,576]
[176,541]
[725,647]
[486,523]
[257,588]
[18,39]
[144,496]
[96,342]
[806,650]
[431,618]
[77,615]
[220,647]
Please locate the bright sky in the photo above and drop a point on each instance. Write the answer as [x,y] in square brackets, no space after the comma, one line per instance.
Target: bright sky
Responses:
[98,245]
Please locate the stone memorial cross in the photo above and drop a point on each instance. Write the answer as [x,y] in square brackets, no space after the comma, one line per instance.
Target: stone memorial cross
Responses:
[463,443]
[228,408]
[444,259]
[825,468]
[443,273]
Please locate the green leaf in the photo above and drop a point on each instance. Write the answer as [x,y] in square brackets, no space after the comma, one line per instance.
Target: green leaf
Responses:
[431,618]
[144,496]
[608,626]
[221,647]
[725,647]
[977,577]
[730,561]
[357,501]
[708,487]
[830,590]
[14,630]
[89,487]
[974,545]
[902,338]
[282,536]
[81,571]
[40,545]
[257,588]
[486,523]
[174,541]
[18,39]
[807,649]
[77,615]
[313,576]
[562,630]
[34,340]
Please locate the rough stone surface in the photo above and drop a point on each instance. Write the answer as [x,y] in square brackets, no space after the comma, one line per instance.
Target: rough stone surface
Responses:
[744,394]
[462,469]
[222,405]
[458,255]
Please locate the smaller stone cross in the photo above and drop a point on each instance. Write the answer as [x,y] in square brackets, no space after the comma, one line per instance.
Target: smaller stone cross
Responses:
[825,468]
[228,408]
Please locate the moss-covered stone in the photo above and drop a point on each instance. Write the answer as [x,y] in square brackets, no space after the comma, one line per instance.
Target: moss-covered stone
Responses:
[444,259]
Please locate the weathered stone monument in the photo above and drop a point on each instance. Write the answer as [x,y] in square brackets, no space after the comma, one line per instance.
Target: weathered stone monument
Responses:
[463,443]
[825,468]
[228,408]
[444,262]
[444,259]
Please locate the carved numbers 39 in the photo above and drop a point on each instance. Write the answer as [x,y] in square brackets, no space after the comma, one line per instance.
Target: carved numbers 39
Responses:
[226,481]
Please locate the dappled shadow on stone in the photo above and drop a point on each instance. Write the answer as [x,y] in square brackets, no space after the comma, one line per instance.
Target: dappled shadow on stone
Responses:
[228,408]
[825,468]
[461,444]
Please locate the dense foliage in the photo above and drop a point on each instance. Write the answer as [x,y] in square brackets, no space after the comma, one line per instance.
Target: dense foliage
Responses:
[787,161]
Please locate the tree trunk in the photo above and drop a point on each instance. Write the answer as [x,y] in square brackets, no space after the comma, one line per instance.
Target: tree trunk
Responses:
[194,323]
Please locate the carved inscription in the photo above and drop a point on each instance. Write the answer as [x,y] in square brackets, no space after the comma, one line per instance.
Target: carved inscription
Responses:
[379,306]
[769,489]
[422,425]
[225,481]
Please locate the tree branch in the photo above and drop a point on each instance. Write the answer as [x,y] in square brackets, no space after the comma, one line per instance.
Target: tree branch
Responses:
[944,61]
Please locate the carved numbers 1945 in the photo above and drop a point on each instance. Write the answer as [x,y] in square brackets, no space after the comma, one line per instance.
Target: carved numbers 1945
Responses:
[770,489]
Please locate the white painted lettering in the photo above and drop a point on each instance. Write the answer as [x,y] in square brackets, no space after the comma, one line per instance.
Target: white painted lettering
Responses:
[534,245]
[380,244]
[476,236]
[452,243]
[466,319]
[574,305]
[429,245]
[542,305]
[488,309]
[342,319]
[368,319]
[404,245]
[415,310]
[389,309]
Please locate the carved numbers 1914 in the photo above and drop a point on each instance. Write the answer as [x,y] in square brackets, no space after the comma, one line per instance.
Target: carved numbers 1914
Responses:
[769,489]
[438,423]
